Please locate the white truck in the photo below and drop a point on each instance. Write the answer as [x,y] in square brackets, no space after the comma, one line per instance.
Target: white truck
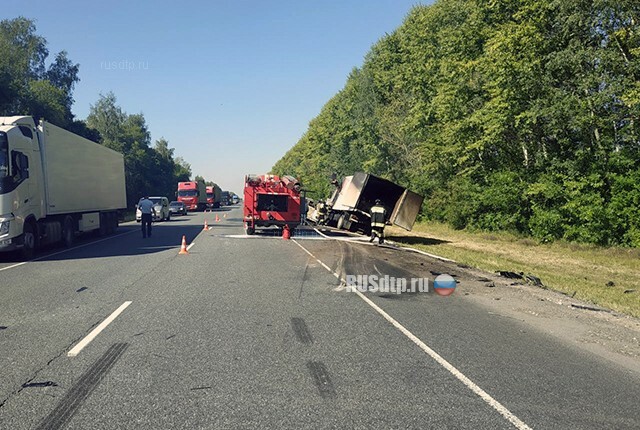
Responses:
[55,184]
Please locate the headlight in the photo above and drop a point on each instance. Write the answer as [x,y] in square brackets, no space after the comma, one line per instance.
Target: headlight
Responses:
[4,228]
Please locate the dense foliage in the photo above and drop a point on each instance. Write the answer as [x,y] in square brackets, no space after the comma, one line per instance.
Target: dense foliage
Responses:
[29,87]
[148,170]
[519,115]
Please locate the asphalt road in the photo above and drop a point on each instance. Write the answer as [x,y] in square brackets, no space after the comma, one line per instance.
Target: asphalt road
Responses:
[260,332]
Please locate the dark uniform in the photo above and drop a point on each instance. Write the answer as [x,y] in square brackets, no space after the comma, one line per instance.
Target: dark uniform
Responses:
[322,212]
[146,209]
[378,217]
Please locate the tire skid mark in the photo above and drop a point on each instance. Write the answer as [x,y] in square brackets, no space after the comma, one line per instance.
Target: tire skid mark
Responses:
[302,331]
[321,379]
[71,402]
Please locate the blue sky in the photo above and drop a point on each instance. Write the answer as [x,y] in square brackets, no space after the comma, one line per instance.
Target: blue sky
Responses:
[232,85]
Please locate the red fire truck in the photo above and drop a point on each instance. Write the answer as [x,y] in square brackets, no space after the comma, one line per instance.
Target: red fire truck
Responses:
[271,201]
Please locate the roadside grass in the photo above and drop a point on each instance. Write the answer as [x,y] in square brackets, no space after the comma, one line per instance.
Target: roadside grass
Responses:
[581,271]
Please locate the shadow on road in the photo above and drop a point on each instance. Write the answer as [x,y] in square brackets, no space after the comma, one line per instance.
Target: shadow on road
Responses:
[126,241]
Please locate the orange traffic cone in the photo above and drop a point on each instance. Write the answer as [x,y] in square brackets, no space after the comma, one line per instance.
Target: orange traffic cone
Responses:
[206,226]
[286,234]
[183,248]
[217,218]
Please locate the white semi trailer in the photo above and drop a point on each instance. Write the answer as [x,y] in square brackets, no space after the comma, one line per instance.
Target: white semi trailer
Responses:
[55,184]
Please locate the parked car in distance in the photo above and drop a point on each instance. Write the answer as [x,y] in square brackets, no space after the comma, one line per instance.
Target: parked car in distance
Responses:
[177,208]
[234,199]
[161,206]
[226,199]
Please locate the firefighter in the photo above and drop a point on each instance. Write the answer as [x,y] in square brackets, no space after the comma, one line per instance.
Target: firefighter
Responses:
[378,217]
[322,212]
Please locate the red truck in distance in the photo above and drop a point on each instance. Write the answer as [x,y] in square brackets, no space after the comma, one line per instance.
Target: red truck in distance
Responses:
[193,194]
[213,196]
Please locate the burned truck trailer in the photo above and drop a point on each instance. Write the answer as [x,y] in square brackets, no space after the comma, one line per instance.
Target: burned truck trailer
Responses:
[352,200]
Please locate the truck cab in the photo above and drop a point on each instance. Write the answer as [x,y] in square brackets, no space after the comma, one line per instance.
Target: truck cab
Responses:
[21,201]
[193,194]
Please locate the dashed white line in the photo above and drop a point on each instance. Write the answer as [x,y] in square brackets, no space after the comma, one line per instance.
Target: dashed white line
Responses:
[190,245]
[14,265]
[96,331]
[517,423]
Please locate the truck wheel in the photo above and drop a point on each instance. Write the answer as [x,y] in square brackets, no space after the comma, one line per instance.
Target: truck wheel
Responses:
[68,233]
[250,231]
[341,222]
[113,222]
[30,239]
[102,231]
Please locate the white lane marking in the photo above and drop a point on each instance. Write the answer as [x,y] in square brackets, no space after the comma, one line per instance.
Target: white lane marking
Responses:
[14,265]
[437,257]
[190,245]
[517,423]
[259,236]
[96,331]
[316,258]
[365,241]
[67,250]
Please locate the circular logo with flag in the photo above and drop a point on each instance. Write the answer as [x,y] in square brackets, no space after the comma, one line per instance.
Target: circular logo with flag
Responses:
[444,284]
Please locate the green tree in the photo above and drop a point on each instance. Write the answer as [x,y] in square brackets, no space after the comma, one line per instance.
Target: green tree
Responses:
[516,115]
[182,170]
[27,87]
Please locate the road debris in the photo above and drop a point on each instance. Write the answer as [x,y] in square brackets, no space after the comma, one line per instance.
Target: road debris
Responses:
[527,278]
[39,384]
[510,275]
[533,280]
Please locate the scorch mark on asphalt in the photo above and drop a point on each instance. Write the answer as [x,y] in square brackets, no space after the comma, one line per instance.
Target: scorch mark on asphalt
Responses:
[517,423]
